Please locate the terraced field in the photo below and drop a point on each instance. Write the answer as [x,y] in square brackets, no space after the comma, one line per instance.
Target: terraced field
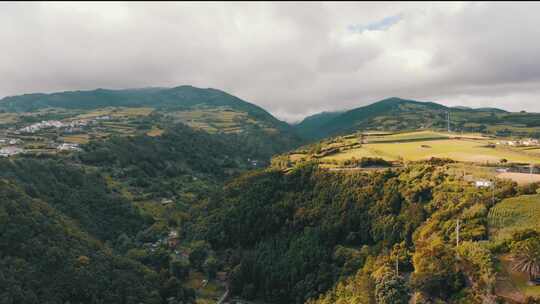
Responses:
[522,212]
[214,120]
[117,112]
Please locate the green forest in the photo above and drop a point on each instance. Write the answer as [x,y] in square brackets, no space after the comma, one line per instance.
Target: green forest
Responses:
[310,235]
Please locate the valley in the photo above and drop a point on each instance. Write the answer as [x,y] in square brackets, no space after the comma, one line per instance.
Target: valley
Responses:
[205,198]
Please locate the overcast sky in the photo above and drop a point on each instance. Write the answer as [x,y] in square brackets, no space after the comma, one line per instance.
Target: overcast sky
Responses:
[293,59]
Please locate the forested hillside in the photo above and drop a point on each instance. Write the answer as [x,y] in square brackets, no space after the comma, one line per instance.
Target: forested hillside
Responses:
[72,230]
[331,237]
[180,160]
[46,258]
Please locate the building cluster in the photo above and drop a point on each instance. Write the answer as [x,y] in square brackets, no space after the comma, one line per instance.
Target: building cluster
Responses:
[520,143]
[42,125]
[68,147]
[70,126]
[10,151]
[171,241]
[10,141]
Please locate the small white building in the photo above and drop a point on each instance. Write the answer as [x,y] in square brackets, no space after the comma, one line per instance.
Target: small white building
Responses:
[68,147]
[482,183]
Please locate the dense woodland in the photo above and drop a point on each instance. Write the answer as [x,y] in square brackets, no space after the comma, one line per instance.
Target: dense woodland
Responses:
[312,235]
[47,258]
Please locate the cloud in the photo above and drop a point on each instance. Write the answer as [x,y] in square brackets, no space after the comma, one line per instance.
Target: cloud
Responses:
[291,58]
[379,25]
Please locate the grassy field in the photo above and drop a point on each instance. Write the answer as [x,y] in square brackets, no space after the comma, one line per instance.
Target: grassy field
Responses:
[456,149]
[414,146]
[76,139]
[521,178]
[8,118]
[117,112]
[514,213]
[155,132]
[464,169]
[406,136]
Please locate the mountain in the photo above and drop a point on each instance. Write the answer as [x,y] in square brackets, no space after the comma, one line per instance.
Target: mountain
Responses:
[393,114]
[177,98]
[314,122]
[385,114]
[132,110]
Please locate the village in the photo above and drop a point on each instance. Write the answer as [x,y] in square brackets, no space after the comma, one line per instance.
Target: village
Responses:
[46,136]
[528,142]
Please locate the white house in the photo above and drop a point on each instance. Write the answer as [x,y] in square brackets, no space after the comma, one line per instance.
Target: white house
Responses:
[483,183]
[68,147]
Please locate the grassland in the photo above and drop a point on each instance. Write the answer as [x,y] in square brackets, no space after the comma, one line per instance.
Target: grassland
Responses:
[155,131]
[414,146]
[513,214]
[8,118]
[456,149]
[215,120]
[521,178]
[77,139]
[117,112]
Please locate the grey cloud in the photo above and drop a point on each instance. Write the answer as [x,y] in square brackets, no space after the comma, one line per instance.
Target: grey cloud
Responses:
[292,58]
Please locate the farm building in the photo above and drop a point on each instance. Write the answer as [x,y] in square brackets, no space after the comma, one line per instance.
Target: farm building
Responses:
[68,147]
[482,183]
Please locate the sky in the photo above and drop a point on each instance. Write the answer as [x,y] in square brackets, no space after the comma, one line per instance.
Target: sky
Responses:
[293,59]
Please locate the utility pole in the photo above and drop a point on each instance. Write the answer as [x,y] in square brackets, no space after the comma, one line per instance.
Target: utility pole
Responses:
[493,192]
[457,233]
[448,120]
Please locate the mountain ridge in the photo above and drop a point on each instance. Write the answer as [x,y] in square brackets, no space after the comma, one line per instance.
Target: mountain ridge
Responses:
[183,95]
[396,113]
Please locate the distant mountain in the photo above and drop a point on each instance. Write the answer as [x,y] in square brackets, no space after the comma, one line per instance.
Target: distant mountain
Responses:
[402,114]
[177,98]
[491,110]
[314,122]
[209,109]
[384,114]
[462,108]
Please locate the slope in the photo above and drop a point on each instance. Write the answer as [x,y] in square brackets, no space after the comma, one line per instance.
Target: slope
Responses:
[395,114]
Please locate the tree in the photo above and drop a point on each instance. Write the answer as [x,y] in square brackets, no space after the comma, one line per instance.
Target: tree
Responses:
[210,266]
[391,289]
[198,254]
[526,257]
[180,269]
